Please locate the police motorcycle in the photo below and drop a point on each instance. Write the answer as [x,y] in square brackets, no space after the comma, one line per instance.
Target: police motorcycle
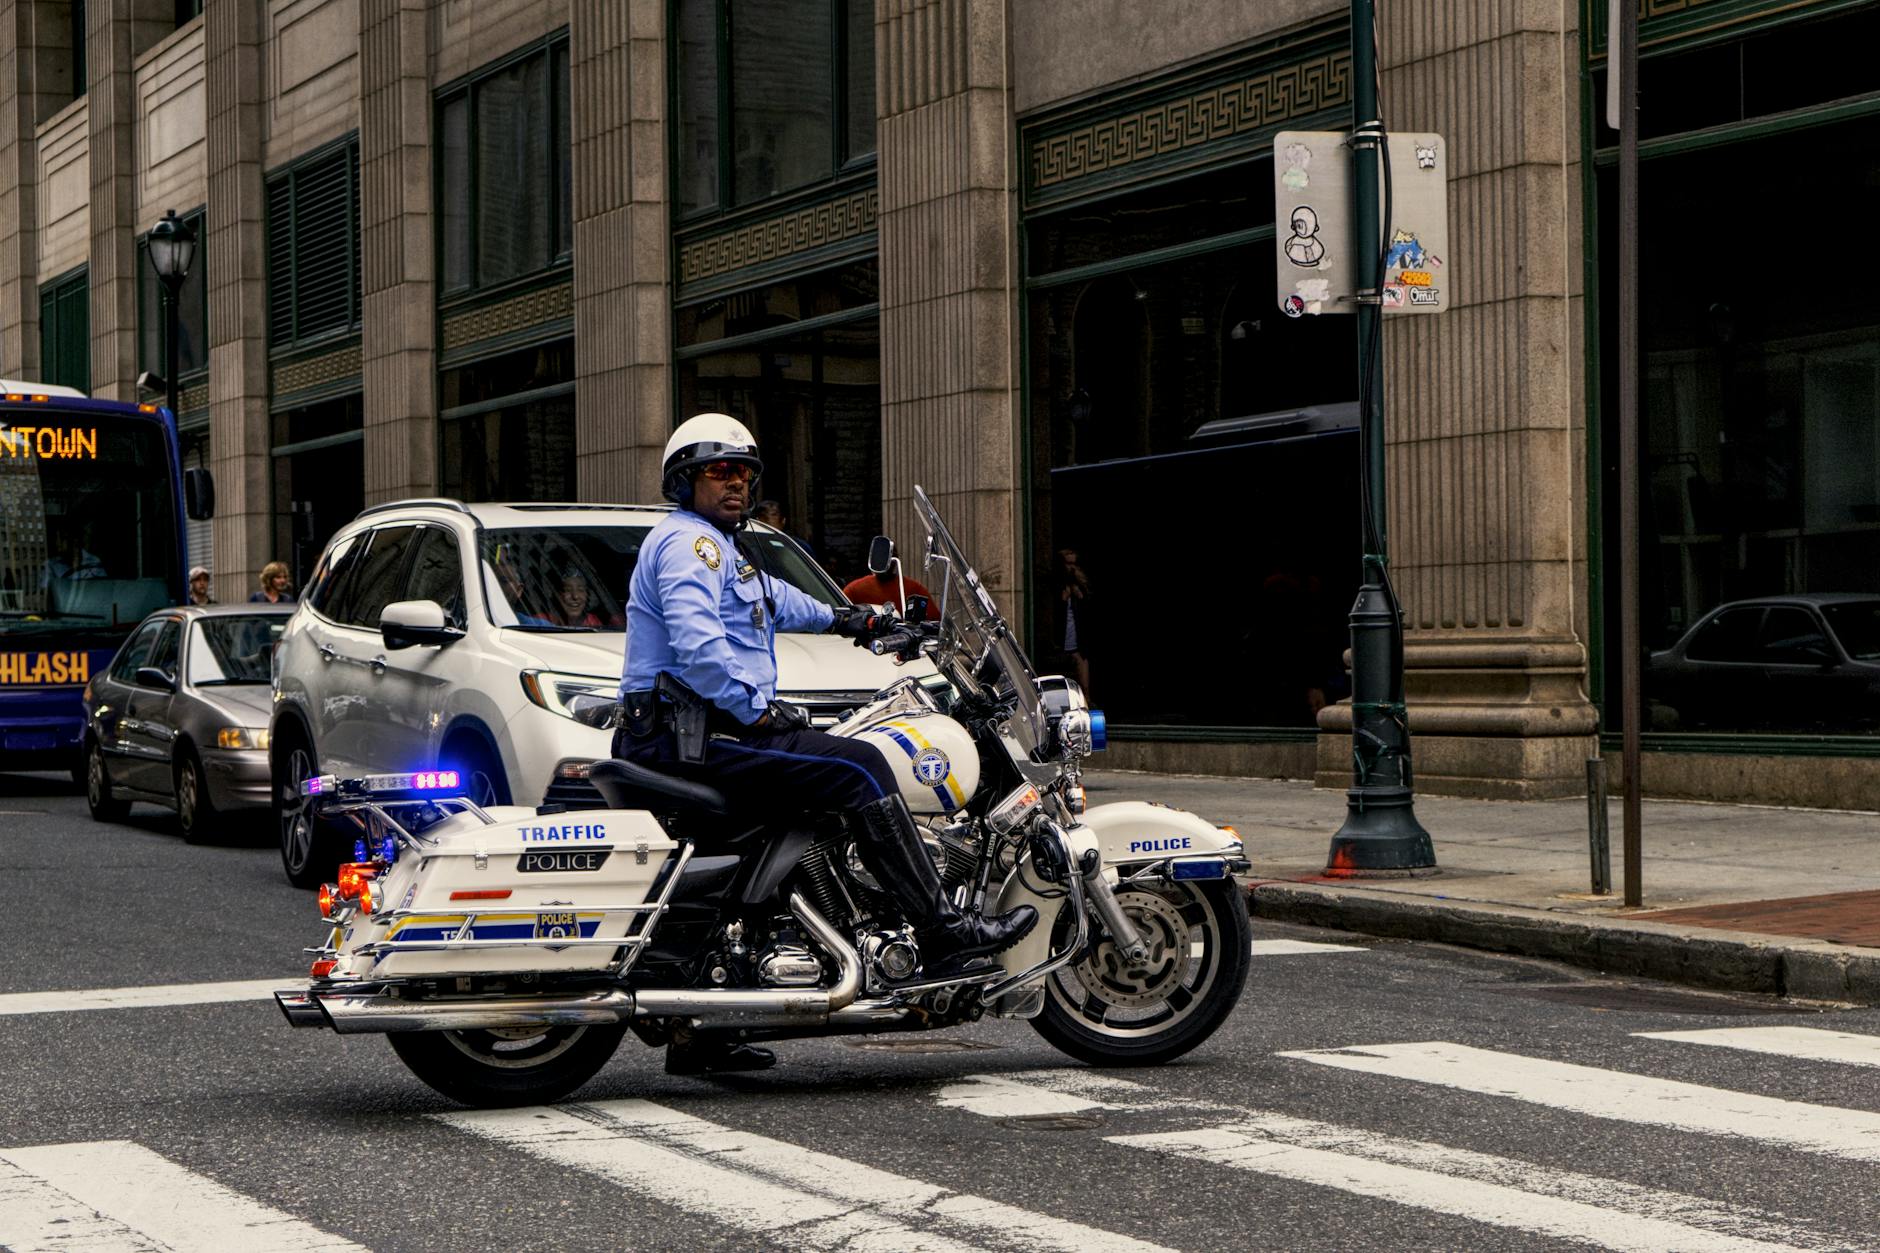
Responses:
[505,951]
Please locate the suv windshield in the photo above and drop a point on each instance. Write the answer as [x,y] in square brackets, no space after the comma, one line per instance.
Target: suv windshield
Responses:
[576,578]
[233,649]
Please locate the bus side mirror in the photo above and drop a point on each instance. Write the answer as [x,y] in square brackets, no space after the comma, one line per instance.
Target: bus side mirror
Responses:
[199,494]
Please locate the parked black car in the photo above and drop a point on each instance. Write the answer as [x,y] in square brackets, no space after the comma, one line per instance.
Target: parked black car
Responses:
[1802,663]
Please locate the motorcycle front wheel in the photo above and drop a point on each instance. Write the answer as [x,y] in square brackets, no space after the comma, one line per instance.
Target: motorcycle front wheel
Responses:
[508,1066]
[1106,1012]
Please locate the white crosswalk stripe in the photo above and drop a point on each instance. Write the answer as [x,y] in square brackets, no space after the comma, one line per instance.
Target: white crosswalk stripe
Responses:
[143,998]
[113,1196]
[790,1194]
[1289,948]
[1459,1182]
[1845,1133]
[1807,1043]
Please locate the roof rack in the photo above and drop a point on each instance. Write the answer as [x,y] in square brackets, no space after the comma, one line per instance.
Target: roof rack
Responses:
[429,502]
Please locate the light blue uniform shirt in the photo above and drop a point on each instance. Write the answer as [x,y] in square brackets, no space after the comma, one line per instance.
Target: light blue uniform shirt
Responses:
[701,611]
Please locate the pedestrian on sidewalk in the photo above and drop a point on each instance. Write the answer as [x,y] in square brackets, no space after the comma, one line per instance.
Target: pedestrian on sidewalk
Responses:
[275,585]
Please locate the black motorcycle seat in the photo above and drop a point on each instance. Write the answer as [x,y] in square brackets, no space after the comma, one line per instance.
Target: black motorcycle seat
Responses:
[625,785]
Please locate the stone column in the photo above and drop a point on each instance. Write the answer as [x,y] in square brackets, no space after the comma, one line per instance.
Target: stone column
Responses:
[235,252]
[949,331]
[622,306]
[399,348]
[1485,413]
[21,45]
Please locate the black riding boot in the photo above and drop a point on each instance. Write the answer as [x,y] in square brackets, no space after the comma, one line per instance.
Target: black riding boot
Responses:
[892,850]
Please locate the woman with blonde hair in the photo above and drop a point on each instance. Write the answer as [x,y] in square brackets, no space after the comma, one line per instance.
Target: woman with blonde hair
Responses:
[275,585]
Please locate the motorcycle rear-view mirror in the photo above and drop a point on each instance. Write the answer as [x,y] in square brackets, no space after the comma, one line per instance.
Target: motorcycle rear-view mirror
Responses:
[880,554]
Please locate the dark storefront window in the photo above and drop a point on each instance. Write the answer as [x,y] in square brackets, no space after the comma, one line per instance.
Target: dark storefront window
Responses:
[193,310]
[507,429]
[812,397]
[313,247]
[65,331]
[1175,411]
[319,484]
[505,172]
[795,100]
[1760,443]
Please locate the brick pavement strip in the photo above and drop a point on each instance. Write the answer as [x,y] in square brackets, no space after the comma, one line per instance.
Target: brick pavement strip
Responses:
[1843,917]
[1699,956]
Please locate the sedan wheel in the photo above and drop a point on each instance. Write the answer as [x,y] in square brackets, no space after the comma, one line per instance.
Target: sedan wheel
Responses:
[195,812]
[98,798]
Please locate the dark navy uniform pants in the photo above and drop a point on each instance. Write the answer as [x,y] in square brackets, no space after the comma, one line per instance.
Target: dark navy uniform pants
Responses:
[765,770]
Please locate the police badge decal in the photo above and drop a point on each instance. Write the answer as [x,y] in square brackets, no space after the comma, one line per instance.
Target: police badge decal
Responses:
[707,552]
[931,767]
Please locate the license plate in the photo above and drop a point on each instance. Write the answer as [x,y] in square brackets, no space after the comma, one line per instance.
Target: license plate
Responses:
[557,927]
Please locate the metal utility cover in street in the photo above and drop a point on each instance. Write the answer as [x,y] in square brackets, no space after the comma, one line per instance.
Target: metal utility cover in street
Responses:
[1313,266]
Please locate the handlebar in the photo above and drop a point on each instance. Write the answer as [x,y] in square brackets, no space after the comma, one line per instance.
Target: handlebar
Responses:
[901,640]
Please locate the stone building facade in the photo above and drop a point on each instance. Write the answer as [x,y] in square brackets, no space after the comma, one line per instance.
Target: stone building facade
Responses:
[1020,255]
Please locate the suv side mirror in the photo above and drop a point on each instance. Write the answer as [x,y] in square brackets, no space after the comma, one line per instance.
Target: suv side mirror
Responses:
[150,676]
[198,493]
[408,622]
[880,554]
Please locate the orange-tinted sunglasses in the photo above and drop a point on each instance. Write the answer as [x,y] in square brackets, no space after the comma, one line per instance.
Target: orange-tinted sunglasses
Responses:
[729,472]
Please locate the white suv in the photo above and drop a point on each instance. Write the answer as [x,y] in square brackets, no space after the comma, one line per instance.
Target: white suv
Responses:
[435,634]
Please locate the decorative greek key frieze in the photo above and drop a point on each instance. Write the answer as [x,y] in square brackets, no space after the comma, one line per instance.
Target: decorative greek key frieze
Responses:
[310,372]
[518,313]
[1220,112]
[800,231]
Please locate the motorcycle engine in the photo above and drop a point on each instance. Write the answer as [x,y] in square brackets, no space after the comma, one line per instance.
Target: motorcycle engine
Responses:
[789,966]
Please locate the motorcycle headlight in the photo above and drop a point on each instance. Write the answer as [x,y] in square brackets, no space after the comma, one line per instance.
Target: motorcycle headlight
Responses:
[1074,727]
[569,694]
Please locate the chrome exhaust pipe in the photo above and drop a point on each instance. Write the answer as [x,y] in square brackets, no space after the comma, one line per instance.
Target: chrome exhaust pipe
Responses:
[783,1007]
[358,1013]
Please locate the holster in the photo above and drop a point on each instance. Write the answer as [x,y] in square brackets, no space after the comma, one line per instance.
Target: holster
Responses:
[688,712]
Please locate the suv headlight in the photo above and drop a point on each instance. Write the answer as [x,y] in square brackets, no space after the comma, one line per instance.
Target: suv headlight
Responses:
[568,694]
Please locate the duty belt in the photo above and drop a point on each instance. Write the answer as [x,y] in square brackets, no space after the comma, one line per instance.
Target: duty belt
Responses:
[670,705]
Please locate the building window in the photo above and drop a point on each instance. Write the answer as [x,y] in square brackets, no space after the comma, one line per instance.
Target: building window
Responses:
[770,98]
[812,397]
[1177,383]
[506,429]
[313,247]
[505,175]
[193,308]
[81,75]
[1759,452]
[65,331]
[187,11]
[319,477]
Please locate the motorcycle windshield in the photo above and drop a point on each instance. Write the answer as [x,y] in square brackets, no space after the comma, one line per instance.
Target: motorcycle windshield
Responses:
[973,627]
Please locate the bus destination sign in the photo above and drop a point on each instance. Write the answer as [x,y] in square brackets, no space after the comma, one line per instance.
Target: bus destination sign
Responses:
[50,443]
[45,669]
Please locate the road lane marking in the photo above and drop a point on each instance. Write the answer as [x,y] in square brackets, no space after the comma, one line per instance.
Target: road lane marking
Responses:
[1845,1133]
[116,1195]
[1286,948]
[1474,1186]
[796,1196]
[1808,1043]
[143,998]
[1496,1190]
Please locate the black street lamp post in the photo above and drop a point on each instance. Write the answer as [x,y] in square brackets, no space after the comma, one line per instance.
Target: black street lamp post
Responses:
[172,250]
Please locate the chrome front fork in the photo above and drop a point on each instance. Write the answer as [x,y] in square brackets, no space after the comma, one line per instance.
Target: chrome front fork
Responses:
[1129,942]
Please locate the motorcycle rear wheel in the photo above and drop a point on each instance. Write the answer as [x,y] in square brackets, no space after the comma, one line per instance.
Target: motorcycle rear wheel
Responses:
[1106,1013]
[494,1069]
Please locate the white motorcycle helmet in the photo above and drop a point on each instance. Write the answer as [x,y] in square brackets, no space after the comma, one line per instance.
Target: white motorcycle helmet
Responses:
[699,441]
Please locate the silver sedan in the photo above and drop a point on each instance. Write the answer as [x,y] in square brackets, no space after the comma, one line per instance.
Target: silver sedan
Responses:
[181,716]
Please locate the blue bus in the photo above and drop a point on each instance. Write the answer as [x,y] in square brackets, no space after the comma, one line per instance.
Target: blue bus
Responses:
[91,540]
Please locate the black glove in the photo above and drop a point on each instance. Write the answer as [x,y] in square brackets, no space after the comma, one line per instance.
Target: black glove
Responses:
[783,716]
[861,623]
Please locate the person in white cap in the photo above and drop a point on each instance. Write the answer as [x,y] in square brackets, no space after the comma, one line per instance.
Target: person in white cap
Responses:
[199,593]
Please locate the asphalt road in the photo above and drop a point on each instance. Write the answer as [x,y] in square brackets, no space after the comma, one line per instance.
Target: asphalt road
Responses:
[1373,1095]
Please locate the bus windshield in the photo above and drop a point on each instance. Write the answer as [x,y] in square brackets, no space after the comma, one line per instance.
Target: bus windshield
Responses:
[88,529]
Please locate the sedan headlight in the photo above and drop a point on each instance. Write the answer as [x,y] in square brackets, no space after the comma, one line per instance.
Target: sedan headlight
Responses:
[569,694]
[241,737]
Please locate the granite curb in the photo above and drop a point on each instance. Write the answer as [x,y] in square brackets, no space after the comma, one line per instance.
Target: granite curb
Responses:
[1705,957]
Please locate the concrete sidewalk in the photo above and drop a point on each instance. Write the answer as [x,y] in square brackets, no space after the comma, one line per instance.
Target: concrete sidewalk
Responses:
[1768,900]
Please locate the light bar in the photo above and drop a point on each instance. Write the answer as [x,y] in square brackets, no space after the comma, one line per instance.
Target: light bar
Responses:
[432,782]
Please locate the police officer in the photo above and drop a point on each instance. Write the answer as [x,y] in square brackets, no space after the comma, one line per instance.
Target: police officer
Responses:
[701,625]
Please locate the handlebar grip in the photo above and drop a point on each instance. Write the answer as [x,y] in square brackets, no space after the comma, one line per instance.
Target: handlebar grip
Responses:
[896,641]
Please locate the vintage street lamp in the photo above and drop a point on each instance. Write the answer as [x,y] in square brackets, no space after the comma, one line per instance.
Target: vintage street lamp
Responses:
[172,250]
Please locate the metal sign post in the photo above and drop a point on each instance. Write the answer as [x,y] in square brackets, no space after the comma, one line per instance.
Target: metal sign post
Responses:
[1624,68]
[1333,257]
